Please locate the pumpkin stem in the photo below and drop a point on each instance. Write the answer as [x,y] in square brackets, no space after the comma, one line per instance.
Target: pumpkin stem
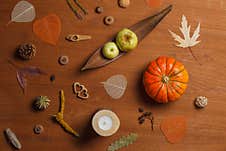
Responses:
[165,79]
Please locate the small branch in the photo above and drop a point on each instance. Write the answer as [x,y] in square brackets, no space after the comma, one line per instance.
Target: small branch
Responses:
[74,9]
[190,50]
[81,7]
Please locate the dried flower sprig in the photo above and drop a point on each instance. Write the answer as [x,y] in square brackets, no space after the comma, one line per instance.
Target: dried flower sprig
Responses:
[60,116]
[146,116]
[124,141]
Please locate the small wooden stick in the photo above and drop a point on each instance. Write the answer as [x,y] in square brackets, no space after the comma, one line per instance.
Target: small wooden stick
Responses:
[76,38]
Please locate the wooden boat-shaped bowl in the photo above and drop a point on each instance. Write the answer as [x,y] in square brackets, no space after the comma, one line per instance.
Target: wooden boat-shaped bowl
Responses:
[142,28]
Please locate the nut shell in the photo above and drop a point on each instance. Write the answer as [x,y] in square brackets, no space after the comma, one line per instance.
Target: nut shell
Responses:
[124,3]
[201,101]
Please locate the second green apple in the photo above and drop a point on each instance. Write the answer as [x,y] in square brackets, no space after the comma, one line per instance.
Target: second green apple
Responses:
[110,50]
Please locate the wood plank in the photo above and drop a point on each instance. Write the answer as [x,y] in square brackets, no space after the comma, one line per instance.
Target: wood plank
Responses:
[206,128]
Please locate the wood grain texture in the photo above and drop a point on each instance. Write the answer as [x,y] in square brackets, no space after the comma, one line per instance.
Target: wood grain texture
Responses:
[206,128]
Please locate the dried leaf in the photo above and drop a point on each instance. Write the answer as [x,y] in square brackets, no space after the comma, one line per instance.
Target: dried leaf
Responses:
[21,80]
[33,71]
[48,28]
[185,30]
[115,86]
[124,141]
[174,128]
[23,12]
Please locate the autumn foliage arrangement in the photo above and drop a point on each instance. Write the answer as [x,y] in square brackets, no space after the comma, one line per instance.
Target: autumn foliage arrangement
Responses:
[165,79]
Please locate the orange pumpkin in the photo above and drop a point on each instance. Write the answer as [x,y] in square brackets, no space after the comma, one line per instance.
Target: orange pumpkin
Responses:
[165,79]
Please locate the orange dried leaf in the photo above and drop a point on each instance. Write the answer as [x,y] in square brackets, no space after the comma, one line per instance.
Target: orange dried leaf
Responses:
[48,28]
[174,128]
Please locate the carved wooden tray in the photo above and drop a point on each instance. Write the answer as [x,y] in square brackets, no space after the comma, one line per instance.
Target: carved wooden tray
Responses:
[142,28]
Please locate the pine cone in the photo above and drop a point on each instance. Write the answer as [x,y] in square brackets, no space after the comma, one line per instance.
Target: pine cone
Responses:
[26,51]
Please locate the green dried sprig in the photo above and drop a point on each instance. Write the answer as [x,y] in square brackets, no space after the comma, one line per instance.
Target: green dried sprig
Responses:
[124,141]
[42,102]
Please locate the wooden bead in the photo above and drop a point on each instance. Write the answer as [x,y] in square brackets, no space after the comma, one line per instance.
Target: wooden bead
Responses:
[38,129]
[108,20]
[63,60]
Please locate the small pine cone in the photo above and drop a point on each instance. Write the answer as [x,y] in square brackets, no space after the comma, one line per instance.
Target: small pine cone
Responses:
[26,51]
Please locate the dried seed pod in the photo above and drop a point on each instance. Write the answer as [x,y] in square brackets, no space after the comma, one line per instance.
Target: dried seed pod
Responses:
[201,101]
[38,129]
[141,121]
[42,102]
[13,139]
[140,110]
[52,78]
[124,3]
[63,60]
[99,10]
[26,51]
[108,20]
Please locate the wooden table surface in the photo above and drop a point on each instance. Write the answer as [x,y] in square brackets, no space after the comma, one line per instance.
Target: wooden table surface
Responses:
[206,127]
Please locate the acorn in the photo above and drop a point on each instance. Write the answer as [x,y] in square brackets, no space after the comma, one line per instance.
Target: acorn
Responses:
[124,3]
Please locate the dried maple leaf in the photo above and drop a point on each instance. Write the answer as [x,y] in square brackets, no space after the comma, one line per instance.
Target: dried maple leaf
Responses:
[188,41]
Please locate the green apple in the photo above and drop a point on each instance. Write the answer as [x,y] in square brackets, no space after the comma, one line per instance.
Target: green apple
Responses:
[110,50]
[126,40]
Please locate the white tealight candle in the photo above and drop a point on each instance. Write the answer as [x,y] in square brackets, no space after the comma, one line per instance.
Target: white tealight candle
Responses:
[105,123]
